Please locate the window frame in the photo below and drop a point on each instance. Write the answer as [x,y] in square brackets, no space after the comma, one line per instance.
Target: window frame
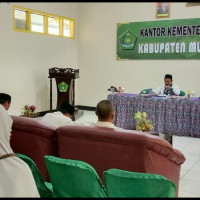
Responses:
[45,22]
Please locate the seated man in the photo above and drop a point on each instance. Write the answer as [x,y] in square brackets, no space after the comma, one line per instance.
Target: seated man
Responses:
[168,88]
[105,113]
[62,117]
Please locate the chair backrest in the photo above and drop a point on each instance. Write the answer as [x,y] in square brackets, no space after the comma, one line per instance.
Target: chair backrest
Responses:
[44,188]
[182,93]
[145,91]
[121,183]
[73,178]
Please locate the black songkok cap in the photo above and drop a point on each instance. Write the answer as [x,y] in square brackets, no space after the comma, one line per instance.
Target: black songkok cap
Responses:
[168,76]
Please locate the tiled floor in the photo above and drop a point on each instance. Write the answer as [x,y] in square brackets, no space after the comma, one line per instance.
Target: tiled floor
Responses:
[190,170]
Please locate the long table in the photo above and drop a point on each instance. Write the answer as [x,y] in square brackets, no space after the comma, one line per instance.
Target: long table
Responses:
[169,115]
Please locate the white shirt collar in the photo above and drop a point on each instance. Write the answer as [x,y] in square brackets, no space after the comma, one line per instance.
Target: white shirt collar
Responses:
[105,124]
[57,113]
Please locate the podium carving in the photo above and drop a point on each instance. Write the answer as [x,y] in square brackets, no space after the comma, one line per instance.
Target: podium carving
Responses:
[65,82]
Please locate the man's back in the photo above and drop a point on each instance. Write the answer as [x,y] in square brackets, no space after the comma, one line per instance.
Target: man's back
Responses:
[57,119]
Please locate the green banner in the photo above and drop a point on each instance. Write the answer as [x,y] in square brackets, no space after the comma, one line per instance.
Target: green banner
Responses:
[164,39]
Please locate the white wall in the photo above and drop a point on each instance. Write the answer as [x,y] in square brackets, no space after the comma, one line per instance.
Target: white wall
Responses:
[25,57]
[99,69]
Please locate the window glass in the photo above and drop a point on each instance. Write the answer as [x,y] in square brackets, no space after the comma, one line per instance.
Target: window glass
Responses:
[66,28]
[37,23]
[53,25]
[20,19]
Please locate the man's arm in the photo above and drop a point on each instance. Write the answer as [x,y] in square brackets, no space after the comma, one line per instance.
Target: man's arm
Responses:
[159,90]
[176,90]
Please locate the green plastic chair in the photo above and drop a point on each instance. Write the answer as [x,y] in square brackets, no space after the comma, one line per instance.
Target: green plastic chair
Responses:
[121,183]
[182,93]
[45,189]
[73,178]
[145,91]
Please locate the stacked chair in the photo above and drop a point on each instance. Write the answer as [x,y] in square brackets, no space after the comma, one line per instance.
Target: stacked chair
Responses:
[73,178]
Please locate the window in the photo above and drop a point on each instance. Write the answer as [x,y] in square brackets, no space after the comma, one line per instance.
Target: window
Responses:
[66,27]
[32,21]
[37,23]
[53,25]
[20,19]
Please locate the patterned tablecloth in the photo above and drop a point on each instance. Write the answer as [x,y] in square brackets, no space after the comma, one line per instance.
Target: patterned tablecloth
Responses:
[175,116]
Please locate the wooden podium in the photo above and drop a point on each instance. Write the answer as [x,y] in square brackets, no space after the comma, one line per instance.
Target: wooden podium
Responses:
[65,82]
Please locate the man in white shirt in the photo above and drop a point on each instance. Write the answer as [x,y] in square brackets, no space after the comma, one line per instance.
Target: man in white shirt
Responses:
[168,88]
[62,117]
[105,113]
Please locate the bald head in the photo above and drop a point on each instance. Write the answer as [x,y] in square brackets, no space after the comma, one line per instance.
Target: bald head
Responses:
[105,111]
